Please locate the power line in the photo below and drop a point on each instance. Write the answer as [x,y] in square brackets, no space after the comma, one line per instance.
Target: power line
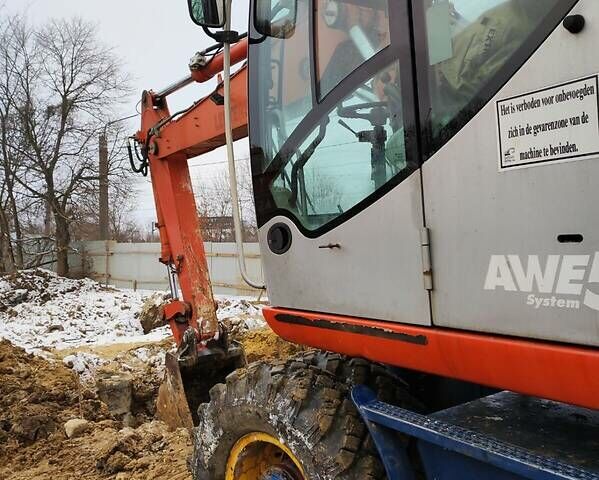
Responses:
[218,162]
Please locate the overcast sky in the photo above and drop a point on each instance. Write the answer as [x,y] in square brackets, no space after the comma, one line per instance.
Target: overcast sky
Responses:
[155,39]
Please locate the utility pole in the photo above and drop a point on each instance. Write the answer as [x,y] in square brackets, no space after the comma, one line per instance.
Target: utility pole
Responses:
[103,206]
[103,193]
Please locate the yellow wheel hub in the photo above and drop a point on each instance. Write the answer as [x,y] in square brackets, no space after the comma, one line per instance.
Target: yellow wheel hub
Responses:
[259,456]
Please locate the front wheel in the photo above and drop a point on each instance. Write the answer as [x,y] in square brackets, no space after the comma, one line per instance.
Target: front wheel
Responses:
[292,420]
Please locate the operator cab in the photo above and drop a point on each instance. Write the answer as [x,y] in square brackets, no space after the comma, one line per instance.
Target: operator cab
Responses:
[328,117]
[334,117]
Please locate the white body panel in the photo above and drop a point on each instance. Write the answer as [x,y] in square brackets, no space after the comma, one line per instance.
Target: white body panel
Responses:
[475,212]
[377,272]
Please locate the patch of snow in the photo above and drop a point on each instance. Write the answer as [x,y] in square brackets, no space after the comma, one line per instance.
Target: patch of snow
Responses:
[84,364]
[240,313]
[233,306]
[40,311]
[255,323]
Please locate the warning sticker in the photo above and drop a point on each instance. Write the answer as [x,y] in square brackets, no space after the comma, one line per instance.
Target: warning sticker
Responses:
[552,125]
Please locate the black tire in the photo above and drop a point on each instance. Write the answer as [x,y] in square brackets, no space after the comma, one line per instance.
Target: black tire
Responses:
[305,403]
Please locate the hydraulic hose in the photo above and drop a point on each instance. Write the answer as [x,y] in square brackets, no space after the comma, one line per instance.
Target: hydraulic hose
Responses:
[231,159]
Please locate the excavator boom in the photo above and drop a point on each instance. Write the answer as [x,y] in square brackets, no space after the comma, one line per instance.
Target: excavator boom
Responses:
[168,141]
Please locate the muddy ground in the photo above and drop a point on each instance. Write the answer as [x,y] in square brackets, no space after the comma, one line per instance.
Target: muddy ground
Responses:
[38,397]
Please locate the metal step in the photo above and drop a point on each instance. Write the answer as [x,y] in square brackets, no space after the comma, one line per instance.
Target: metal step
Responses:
[481,447]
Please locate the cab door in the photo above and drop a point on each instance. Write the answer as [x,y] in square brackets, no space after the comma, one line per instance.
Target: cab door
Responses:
[335,161]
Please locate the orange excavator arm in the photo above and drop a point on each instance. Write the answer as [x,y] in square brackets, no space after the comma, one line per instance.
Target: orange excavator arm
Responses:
[167,143]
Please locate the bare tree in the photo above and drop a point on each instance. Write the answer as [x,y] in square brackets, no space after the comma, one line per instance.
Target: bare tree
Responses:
[122,197]
[68,86]
[323,191]
[10,245]
[213,199]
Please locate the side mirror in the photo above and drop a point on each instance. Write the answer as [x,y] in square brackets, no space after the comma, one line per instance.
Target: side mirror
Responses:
[207,13]
[275,18]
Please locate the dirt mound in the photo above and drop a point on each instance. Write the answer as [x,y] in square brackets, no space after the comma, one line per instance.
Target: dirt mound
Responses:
[145,367]
[37,285]
[266,345]
[151,315]
[107,453]
[139,366]
[38,397]
[147,452]
[93,366]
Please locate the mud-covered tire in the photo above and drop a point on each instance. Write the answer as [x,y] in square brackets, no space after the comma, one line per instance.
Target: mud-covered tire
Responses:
[305,403]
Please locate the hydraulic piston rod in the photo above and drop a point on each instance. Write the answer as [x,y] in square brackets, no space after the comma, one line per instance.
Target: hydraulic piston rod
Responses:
[204,66]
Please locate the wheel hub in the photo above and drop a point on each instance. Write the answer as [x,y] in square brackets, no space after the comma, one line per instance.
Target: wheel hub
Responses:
[279,472]
[259,456]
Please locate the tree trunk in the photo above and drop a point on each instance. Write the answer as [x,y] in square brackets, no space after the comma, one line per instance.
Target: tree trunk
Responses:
[8,264]
[8,258]
[47,218]
[17,255]
[18,250]
[63,239]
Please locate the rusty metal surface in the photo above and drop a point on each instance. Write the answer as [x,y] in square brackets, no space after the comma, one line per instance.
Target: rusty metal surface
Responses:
[187,383]
[172,407]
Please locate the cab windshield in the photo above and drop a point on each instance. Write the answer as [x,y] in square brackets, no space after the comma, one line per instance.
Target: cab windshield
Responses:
[327,125]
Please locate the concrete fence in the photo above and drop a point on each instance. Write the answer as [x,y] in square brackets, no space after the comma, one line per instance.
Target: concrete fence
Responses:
[136,266]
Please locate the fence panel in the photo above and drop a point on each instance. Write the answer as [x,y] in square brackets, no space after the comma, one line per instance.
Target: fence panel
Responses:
[136,266]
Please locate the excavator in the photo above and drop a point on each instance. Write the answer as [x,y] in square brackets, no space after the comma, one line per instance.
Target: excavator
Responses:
[425,183]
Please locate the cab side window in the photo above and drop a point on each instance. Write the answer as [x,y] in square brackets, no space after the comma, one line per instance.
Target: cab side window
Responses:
[474,47]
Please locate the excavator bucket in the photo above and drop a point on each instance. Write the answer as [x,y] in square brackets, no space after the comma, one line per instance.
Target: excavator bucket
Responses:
[186,386]
[172,407]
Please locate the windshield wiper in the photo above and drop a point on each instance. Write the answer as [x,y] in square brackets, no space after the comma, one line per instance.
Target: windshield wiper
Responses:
[303,159]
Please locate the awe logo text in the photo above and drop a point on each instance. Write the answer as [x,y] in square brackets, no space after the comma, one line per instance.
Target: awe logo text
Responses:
[558,281]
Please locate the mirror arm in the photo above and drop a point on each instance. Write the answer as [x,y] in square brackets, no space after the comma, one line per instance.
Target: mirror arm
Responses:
[224,36]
